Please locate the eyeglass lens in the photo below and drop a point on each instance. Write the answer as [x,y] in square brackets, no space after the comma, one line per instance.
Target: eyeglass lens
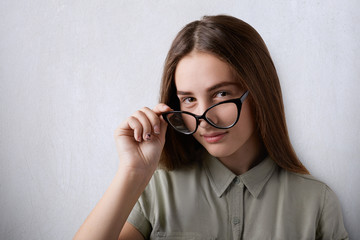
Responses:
[222,116]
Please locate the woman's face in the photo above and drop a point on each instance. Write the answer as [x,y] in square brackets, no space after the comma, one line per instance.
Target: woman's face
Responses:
[202,80]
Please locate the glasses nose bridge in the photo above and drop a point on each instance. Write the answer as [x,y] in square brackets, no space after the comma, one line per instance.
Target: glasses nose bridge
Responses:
[202,109]
[203,116]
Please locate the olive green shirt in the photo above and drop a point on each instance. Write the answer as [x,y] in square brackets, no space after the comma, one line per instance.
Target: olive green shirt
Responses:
[208,201]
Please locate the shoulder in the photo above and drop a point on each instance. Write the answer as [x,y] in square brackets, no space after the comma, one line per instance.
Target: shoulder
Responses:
[312,185]
[169,190]
[164,182]
[303,178]
[303,190]
[304,183]
[309,185]
[171,179]
[315,197]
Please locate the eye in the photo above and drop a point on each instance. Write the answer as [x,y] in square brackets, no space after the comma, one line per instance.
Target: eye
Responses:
[222,94]
[188,100]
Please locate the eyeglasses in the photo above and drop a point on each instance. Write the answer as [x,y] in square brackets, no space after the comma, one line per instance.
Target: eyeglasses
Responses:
[222,115]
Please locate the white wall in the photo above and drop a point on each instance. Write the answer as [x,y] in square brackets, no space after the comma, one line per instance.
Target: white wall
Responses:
[71,71]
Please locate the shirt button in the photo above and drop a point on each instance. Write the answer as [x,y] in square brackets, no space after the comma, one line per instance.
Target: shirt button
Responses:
[236,220]
[161,234]
[237,180]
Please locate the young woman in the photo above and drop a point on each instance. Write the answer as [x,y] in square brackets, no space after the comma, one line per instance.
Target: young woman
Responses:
[213,160]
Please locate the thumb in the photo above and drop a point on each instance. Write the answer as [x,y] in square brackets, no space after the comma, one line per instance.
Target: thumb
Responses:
[159,109]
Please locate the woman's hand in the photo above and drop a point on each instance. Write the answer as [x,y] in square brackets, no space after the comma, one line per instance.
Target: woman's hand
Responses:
[140,139]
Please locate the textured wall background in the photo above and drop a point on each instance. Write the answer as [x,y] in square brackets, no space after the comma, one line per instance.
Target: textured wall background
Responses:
[71,71]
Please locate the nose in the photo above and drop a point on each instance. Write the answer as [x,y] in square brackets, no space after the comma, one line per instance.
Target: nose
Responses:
[202,122]
[212,116]
[201,107]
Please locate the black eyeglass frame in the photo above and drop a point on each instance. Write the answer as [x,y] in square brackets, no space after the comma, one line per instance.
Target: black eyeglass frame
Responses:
[238,101]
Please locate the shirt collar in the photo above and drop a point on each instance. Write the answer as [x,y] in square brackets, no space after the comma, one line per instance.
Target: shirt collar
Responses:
[255,179]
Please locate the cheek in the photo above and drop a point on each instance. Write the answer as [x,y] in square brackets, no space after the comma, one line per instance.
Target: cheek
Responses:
[247,120]
[245,126]
[197,136]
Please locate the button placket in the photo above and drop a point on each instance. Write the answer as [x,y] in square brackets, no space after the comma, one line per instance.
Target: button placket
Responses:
[236,207]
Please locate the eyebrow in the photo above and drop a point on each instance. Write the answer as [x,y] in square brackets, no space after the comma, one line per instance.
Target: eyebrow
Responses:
[210,89]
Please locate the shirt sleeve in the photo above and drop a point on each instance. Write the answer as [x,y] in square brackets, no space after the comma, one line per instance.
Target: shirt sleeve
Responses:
[139,221]
[331,224]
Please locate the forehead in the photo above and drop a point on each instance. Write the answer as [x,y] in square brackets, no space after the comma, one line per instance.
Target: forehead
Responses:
[199,70]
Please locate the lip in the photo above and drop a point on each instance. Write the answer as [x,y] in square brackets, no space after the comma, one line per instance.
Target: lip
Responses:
[214,137]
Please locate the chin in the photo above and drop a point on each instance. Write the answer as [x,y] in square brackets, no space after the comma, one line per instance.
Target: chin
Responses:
[218,151]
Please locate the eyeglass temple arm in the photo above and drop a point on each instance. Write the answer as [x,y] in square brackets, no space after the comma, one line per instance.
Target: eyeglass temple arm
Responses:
[243,97]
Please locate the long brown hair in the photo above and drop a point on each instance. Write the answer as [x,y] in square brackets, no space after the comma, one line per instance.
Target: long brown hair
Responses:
[240,45]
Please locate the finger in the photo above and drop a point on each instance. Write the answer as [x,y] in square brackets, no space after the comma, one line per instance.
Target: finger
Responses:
[131,126]
[143,118]
[153,118]
[161,108]
[136,126]
[123,129]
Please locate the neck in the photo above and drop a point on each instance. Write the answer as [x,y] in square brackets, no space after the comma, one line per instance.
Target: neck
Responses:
[248,156]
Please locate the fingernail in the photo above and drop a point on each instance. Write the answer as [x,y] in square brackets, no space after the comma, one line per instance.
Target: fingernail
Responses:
[148,137]
[138,139]
[157,129]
